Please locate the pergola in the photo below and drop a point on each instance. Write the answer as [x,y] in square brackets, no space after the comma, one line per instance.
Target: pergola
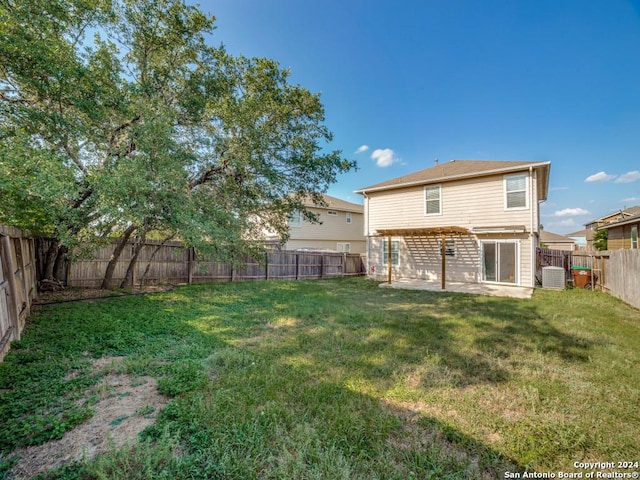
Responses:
[442,232]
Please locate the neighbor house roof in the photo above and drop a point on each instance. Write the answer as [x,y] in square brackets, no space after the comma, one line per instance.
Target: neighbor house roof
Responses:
[624,221]
[333,203]
[623,214]
[460,169]
[550,237]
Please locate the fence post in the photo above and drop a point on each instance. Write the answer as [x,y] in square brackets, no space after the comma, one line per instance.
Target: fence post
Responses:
[266,265]
[14,313]
[322,265]
[190,255]
[297,265]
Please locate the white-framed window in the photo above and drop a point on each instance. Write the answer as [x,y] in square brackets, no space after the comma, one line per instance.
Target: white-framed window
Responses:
[449,247]
[395,252]
[295,219]
[515,191]
[333,213]
[343,247]
[634,236]
[348,217]
[433,200]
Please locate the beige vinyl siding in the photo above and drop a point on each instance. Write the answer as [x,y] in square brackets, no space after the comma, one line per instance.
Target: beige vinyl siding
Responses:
[420,258]
[620,237]
[355,246]
[466,203]
[334,229]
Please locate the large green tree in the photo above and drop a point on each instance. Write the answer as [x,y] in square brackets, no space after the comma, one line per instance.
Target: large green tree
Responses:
[118,118]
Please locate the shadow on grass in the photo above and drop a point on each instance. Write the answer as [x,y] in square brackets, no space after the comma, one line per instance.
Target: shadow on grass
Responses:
[281,384]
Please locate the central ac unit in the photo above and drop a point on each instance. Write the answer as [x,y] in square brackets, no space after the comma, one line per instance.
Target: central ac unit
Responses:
[553,277]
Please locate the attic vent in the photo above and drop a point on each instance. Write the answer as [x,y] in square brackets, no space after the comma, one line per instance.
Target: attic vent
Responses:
[553,277]
[332,212]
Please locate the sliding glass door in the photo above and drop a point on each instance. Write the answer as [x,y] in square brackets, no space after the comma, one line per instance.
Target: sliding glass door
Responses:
[500,262]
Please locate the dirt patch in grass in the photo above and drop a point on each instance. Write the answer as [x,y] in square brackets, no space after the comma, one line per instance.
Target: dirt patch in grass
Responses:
[126,406]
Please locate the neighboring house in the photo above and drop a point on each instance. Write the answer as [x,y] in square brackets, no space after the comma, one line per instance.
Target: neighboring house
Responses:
[580,238]
[340,228]
[623,233]
[620,215]
[553,241]
[483,215]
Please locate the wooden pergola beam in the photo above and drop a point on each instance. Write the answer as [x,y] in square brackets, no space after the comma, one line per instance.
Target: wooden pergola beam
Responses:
[422,232]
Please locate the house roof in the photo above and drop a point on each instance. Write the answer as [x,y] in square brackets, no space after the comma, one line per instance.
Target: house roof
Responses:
[333,203]
[460,169]
[625,212]
[550,237]
[579,233]
[624,221]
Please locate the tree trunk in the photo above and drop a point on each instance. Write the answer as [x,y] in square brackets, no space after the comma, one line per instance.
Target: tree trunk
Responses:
[111,266]
[128,278]
[60,265]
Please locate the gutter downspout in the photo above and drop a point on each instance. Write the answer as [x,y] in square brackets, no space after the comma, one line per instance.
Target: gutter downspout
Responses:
[366,227]
[531,234]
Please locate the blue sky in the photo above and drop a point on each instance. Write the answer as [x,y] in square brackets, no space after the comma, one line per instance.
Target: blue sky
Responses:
[416,80]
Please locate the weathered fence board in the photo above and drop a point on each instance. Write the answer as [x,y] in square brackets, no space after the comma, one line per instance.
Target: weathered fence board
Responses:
[614,271]
[17,284]
[173,263]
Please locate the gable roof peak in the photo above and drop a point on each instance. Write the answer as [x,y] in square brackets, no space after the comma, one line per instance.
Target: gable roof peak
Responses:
[455,169]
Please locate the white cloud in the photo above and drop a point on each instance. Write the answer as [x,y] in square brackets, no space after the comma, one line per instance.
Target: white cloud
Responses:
[599,177]
[566,223]
[362,148]
[628,177]
[569,212]
[384,157]
[630,200]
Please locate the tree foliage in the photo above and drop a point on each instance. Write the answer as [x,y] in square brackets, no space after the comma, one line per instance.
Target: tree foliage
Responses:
[117,116]
[600,239]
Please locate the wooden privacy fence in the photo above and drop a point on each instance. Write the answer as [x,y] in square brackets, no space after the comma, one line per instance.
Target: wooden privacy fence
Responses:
[613,271]
[173,263]
[17,284]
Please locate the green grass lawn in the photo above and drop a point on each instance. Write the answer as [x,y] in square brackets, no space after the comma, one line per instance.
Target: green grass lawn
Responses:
[338,379]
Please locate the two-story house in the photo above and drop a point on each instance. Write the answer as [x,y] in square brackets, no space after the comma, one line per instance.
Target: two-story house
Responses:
[340,227]
[623,233]
[464,220]
[615,217]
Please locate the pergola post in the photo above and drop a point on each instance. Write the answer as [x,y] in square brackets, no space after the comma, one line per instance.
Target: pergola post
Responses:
[443,251]
[389,259]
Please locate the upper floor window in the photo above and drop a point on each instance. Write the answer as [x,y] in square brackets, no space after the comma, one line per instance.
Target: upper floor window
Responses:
[634,237]
[515,191]
[295,219]
[432,200]
[348,217]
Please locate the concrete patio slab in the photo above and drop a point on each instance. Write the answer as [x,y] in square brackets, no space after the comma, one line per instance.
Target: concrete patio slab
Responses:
[461,287]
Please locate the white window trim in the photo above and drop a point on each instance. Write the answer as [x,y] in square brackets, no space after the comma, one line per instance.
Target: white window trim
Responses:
[348,217]
[385,260]
[295,220]
[518,260]
[526,191]
[340,246]
[634,227]
[439,187]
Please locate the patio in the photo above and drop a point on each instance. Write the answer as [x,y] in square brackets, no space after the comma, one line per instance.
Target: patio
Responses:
[461,287]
